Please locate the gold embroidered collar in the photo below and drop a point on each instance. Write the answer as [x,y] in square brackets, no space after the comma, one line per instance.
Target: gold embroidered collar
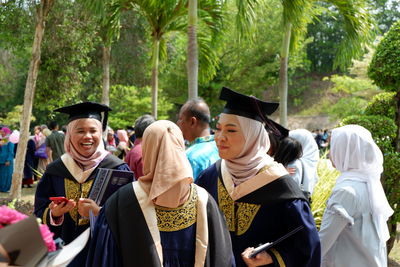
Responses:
[175,219]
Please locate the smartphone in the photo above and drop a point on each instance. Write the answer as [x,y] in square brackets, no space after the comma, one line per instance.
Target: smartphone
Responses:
[59,200]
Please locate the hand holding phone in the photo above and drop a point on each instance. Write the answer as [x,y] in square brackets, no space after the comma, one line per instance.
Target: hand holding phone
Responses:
[59,200]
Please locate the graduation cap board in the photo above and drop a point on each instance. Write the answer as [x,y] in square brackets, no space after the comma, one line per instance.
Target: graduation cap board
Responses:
[87,110]
[23,242]
[252,108]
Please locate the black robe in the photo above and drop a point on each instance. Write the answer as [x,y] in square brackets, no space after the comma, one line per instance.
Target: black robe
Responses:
[265,215]
[58,181]
[122,233]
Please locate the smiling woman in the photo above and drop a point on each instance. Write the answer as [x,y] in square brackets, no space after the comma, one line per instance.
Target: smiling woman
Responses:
[73,174]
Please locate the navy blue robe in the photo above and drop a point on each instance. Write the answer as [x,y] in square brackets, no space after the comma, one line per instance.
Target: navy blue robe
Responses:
[57,181]
[265,215]
[121,238]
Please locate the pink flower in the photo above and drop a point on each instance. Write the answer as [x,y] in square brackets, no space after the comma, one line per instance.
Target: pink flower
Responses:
[10,216]
[47,236]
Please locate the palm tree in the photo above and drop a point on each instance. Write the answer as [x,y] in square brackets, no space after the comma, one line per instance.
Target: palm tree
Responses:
[108,14]
[165,17]
[297,14]
[42,11]
[192,62]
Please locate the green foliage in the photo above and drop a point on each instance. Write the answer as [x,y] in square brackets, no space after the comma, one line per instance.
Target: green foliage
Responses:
[129,103]
[322,190]
[16,24]
[391,181]
[385,66]
[347,107]
[65,57]
[349,85]
[383,104]
[13,118]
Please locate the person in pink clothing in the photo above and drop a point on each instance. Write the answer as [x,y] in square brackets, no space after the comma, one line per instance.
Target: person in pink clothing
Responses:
[134,156]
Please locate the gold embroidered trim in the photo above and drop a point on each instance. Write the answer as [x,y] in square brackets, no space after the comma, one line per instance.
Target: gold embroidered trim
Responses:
[175,219]
[227,206]
[238,221]
[278,257]
[75,191]
[245,215]
[44,219]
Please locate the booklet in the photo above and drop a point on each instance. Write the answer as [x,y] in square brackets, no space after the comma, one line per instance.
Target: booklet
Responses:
[108,181]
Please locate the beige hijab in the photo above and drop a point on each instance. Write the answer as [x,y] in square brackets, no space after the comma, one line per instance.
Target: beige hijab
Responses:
[167,171]
[253,156]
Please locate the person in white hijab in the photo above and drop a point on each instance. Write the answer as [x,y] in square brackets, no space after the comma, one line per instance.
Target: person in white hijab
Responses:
[354,230]
[306,166]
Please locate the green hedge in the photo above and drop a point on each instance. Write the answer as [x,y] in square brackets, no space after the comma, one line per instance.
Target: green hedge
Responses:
[383,104]
[384,69]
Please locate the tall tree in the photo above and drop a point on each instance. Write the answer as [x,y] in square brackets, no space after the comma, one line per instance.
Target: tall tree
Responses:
[109,15]
[42,11]
[192,58]
[358,32]
[165,18]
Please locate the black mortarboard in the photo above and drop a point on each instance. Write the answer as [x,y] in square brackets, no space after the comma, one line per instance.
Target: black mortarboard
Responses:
[253,108]
[87,110]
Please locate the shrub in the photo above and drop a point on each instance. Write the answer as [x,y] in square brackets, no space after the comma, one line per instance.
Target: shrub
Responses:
[383,104]
[384,69]
[322,190]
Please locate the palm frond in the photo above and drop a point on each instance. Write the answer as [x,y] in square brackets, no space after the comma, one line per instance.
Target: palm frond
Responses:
[245,17]
[358,28]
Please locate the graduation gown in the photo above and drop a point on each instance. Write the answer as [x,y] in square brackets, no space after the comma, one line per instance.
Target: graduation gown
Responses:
[266,214]
[58,181]
[131,231]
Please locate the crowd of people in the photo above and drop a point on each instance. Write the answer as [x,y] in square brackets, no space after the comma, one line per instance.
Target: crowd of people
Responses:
[207,197]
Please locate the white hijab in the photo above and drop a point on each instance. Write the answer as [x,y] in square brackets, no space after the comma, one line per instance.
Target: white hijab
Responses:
[355,154]
[310,156]
[253,156]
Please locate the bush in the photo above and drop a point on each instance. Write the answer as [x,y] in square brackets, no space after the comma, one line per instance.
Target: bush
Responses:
[347,107]
[383,104]
[322,190]
[391,181]
[384,69]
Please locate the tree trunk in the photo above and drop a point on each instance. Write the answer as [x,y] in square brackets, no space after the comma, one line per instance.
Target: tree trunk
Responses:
[106,75]
[154,76]
[193,62]
[42,12]
[283,76]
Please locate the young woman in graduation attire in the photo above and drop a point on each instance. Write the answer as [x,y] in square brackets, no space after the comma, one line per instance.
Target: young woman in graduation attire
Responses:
[73,174]
[261,202]
[163,219]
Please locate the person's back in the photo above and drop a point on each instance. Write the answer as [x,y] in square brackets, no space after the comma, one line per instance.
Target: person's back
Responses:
[176,223]
[353,230]
[350,201]
[55,142]
[306,166]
